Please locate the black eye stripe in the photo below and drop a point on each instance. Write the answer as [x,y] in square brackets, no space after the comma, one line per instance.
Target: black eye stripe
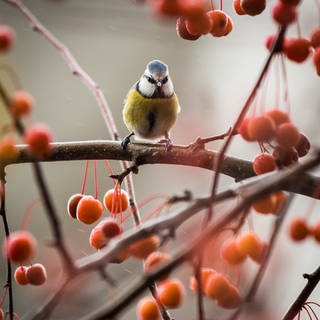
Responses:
[151,80]
[165,80]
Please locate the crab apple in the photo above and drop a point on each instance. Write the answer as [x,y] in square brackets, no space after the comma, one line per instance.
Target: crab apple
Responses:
[297,49]
[231,299]
[142,248]
[261,128]
[21,103]
[219,23]
[171,293]
[182,30]
[205,274]
[287,135]
[278,116]
[250,244]
[303,146]
[298,229]
[7,37]
[264,205]
[169,8]
[315,231]
[116,200]
[199,26]
[284,14]
[20,246]
[110,228]
[147,309]
[38,138]
[315,38]
[8,149]
[285,156]
[89,209]
[193,9]
[270,41]
[243,130]
[253,7]
[264,163]
[279,198]
[36,274]
[237,7]
[216,285]
[155,259]
[20,276]
[230,253]
[73,204]
[291,2]
[97,239]
[229,26]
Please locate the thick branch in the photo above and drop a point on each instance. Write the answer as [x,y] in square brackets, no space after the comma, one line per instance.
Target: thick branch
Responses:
[143,153]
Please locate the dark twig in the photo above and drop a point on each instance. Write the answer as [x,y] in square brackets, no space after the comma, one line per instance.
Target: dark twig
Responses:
[197,273]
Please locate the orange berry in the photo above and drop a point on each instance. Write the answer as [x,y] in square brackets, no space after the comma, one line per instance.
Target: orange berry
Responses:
[142,248]
[38,138]
[116,200]
[205,274]
[315,231]
[279,198]
[287,135]
[120,257]
[169,8]
[216,285]
[230,253]
[182,30]
[285,156]
[284,13]
[237,7]
[21,103]
[250,244]
[253,7]
[147,309]
[171,293]
[1,314]
[97,239]
[199,26]
[20,276]
[7,37]
[73,204]
[192,9]
[36,274]
[303,146]
[110,228]
[219,23]
[315,38]
[229,26]
[261,128]
[298,229]
[8,150]
[231,299]
[264,163]
[264,205]
[297,49]
[20,246]
[243,130]
[278,116]
[155,259]
[89,209]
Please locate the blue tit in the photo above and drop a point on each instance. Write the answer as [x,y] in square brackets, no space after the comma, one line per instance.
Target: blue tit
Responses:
[151,106]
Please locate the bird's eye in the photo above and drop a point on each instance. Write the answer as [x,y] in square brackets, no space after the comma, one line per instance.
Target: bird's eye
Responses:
[151,80]
[164,80]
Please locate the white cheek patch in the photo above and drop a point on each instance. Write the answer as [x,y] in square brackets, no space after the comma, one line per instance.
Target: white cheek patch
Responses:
[146,88]
[167,88]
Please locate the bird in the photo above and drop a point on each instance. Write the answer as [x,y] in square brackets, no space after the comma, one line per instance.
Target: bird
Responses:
[151,106]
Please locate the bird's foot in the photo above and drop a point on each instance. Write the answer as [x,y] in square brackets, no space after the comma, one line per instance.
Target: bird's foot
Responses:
[167,143]
[126,141]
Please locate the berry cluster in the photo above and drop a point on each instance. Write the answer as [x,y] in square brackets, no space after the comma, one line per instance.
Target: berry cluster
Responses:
[217,287]
[249,7]
[300,230]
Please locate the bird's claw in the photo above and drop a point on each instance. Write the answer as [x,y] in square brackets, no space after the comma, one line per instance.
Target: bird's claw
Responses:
[126,140]
[167,143]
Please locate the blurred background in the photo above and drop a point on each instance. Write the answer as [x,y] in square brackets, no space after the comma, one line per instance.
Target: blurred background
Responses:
[113,41]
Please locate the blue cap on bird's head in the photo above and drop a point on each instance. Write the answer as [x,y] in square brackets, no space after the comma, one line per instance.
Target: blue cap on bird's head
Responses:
[157,67]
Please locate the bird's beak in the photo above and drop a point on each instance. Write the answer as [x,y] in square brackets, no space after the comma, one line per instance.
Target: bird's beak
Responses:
[159,84]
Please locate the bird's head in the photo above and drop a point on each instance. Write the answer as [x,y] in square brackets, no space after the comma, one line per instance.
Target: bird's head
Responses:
[156,82]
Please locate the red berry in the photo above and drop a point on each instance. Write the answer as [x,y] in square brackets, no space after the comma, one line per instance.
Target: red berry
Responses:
[199,26]
[287,135]
[182,30]
[291,2]
[89,210]
[205,274]
[21,104]
[73,204]
[253,7]
[147,309]
[264,205]
[315,231]
[1,314]
[278,116]
[20,246]
[264,163]
[303,145]
[7,37]
[237,7]
[298,229]
[316,59]
[269,42]
[8,150]
[37,274]
[155,259]
[38,138]
[243,130]
[250,244]
[230,253]
[229,26]
[116,200]
[285,156]
[142,248]
[284,13]
[169,8]
[219,23]
[231,299]
[315,37]
[279,198]
[261,128]
[171,293]
[192,9]
[297,49]
[20,276]
[216,285]
[110,228]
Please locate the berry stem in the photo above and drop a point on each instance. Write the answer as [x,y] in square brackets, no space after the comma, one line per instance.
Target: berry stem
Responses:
[307,311]
[28,214]
[12,75]
[212,6]
[221,5]
[110,170]
[84,181]
[3,296]
[311,302]
[299,33]
[95,179]
[16,316]
[286,84]
[307,305]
